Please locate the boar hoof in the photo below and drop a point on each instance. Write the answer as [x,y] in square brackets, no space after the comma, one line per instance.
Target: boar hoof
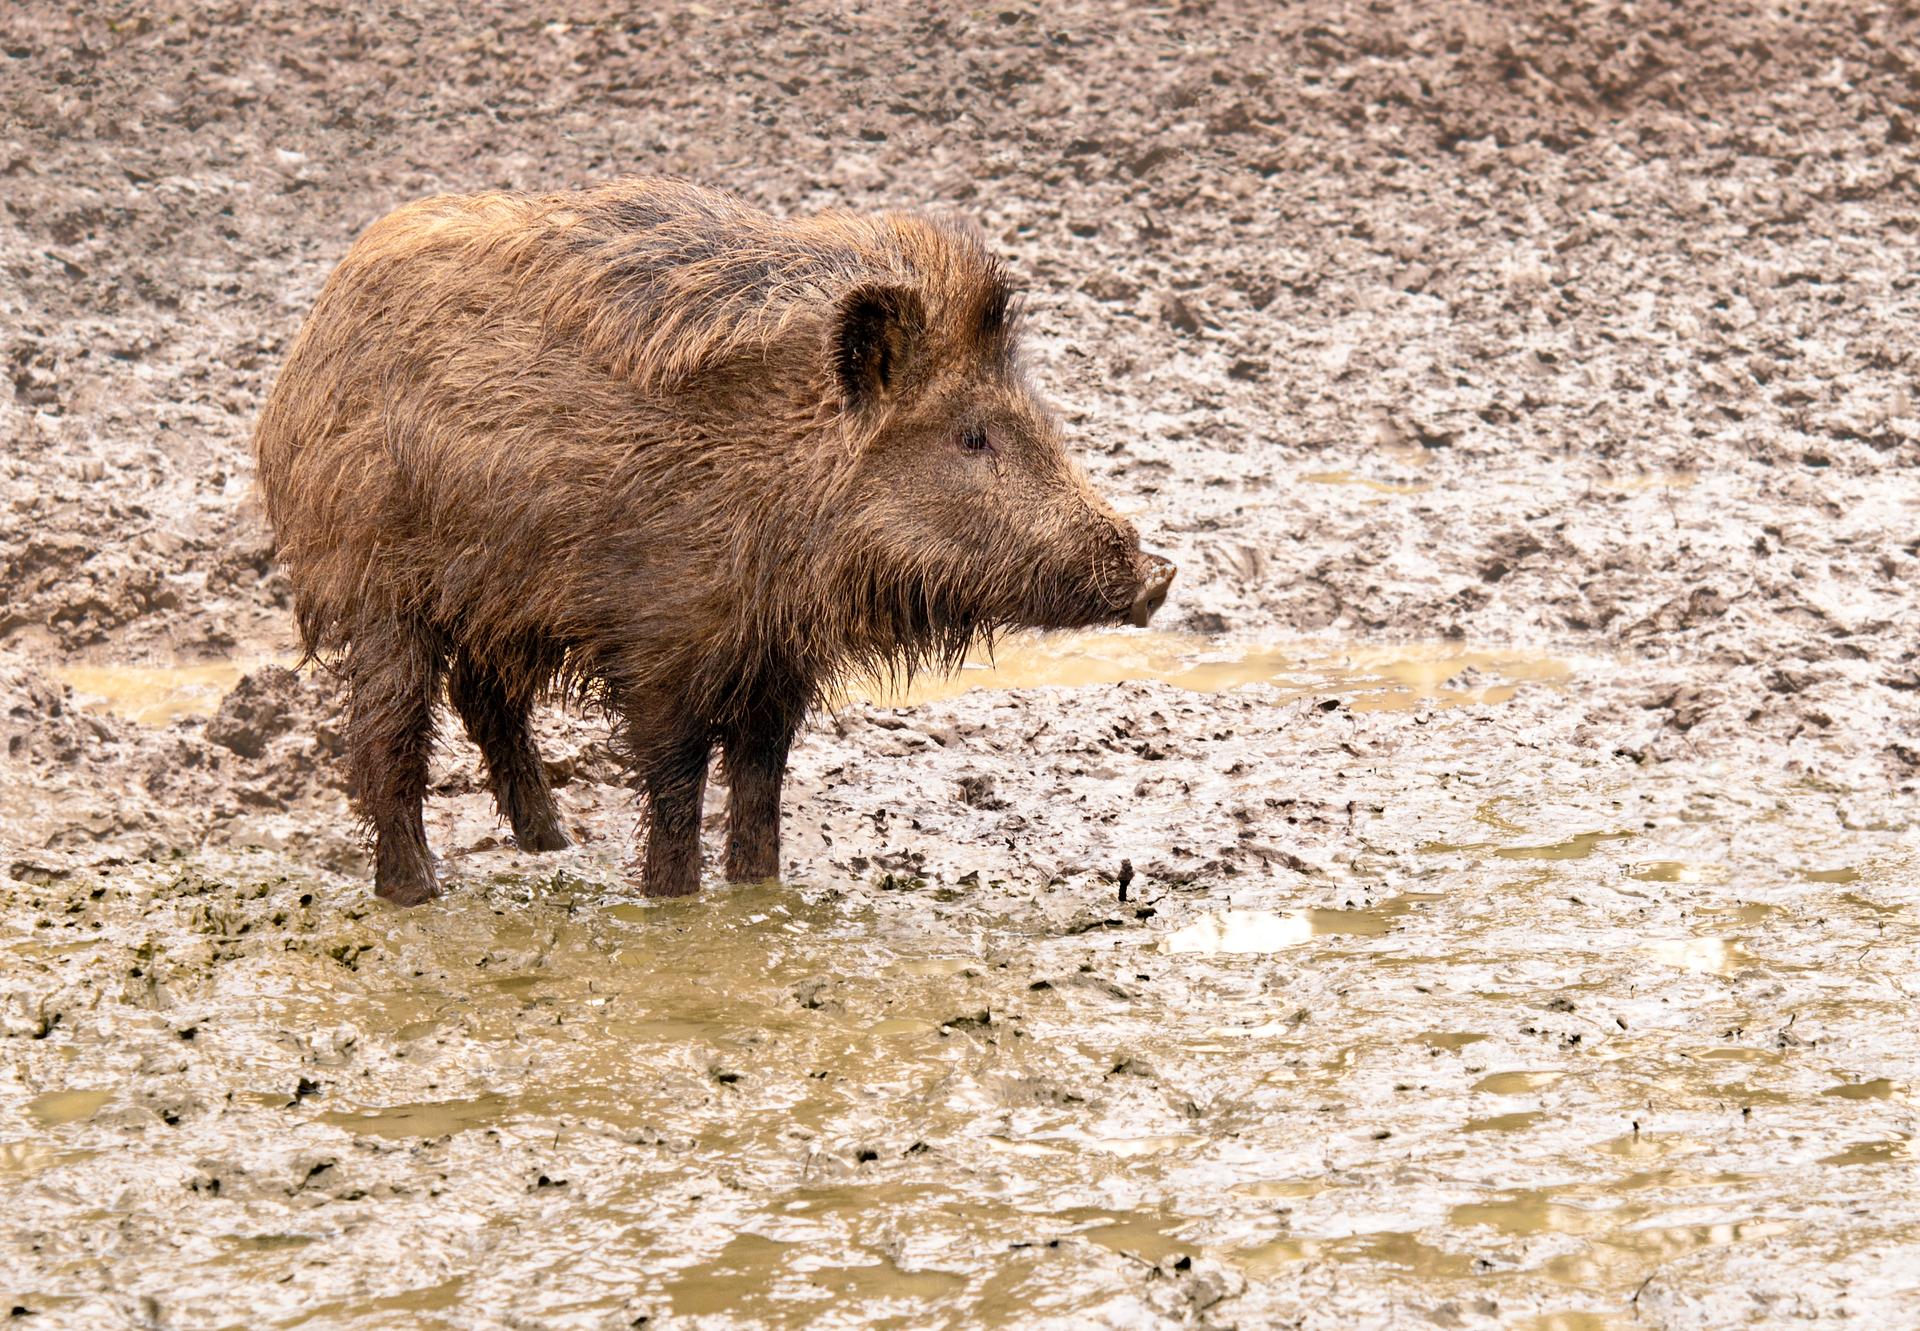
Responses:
[670,890]
[671,884]
[407,889]
[540,840]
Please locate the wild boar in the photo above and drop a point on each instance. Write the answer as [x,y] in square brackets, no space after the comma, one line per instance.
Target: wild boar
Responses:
[646,443]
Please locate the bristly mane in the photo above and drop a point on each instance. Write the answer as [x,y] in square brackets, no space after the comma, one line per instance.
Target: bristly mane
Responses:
[662,281]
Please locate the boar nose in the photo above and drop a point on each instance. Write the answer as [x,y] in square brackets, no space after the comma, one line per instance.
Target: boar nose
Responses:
[1155,579]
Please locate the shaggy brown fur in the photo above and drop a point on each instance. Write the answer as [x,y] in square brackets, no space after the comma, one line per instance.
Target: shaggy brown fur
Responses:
[649,443]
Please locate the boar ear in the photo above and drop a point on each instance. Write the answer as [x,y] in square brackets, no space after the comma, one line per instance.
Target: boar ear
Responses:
[874,340]
[1000,309]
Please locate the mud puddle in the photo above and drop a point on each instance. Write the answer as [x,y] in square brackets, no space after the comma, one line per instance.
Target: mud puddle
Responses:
[1259,931]
[1533,1034]
[826,1103]
[1370,678]
[156,695]
[1375,486]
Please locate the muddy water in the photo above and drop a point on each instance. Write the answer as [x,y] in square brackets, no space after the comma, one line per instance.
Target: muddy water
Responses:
[1559,1033]
[1369,483]
[1504,1067]
[157,694]
[1369,678]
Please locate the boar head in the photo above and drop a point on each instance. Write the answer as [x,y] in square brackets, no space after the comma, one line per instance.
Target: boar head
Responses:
[970,516]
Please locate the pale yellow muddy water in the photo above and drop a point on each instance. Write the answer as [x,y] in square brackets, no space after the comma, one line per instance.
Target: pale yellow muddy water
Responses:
[1368,677]
[1378,487]
[1268,931]
[772,1104]
[155,695]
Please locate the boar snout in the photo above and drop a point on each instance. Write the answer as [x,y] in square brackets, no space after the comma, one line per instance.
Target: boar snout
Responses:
[1156,575]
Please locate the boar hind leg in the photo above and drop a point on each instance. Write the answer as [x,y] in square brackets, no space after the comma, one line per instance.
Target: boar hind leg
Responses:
[393,669]
[756,764]
[497,720]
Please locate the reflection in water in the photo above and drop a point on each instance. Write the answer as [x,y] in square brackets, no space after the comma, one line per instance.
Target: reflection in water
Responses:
[1620,1247]
[1709,956]
[1232,930]
[1292,1188]
[763,1278]
[1626,1256]
[1538,1212]
[23,1158]
[1573,848]
[1678,871]
[1840,875]
[1386,1248]
[1154,1237]
[1580,1321]
[1651,1145]
[1746,912]
[1894,1151]
[1240,931]
[1451,1039]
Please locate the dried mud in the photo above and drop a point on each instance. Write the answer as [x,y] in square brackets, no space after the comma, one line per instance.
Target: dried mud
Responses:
[1488,901]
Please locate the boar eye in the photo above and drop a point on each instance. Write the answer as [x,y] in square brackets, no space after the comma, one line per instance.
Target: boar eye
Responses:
[975,441]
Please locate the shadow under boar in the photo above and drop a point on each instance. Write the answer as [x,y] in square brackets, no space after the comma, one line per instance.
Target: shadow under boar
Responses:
[652,445]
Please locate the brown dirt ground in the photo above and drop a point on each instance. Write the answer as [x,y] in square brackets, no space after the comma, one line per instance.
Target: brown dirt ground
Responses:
[1568,348]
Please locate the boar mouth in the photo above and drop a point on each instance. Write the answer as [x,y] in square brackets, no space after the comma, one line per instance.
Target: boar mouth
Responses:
[1156,578]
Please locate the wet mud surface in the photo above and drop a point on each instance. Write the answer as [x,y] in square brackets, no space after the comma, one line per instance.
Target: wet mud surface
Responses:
[1486,899]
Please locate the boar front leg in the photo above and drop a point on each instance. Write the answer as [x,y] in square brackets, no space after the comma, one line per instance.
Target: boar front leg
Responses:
[756,759]
[393,669]
[670,757]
